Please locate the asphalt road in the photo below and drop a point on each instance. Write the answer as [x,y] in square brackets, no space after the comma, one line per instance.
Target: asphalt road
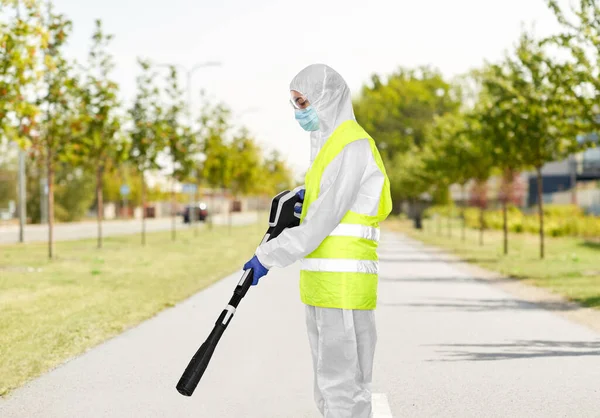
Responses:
[450,345]
[89,229]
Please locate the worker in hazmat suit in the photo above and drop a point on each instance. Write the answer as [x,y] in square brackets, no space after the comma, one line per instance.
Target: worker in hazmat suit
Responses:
[345,196]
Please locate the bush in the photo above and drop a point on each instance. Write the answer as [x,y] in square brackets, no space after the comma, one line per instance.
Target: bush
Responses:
[441,211]
[559,220]
[472,217]
[563,211]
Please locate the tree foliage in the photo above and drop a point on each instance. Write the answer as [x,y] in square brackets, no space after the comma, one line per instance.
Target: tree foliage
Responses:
[275,175]
[102,141]
[399,112]
[245,165]
[399,109]
[62,117]
[61,120]
[70,118]
[214,138]
[147,136]
[581,73]
[180,142]
[547,120]
[22,37]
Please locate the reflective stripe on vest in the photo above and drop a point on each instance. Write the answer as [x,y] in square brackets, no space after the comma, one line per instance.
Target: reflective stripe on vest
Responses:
[356,230]
[340,265]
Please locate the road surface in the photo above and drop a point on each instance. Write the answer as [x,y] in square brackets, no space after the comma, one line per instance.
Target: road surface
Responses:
[450,345]
[9,234]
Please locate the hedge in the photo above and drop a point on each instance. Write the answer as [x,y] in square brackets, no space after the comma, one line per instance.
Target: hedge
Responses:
[559,220]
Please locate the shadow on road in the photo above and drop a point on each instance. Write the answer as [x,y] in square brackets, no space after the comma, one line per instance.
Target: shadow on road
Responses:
[484,305]
[519,349]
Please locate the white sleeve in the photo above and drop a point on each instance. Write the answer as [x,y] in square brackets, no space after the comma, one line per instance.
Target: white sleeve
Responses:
[340,184]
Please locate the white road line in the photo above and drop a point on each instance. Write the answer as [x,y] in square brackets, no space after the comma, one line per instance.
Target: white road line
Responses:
[381,408]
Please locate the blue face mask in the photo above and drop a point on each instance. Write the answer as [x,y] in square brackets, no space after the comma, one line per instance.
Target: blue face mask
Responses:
[308,119]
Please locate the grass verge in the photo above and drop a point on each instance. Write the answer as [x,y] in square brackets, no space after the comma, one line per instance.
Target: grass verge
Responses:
[571,267]
[51,311]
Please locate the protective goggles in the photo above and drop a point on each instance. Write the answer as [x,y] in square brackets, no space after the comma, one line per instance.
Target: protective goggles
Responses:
[299,102]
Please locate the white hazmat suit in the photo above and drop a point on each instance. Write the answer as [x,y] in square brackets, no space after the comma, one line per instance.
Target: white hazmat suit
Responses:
[342,341]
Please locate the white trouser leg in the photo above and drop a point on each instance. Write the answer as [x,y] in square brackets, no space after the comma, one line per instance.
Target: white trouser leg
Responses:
[313,339]
[342,345]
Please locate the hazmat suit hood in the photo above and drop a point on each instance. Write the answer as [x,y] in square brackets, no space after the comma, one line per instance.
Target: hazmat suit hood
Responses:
[329,94]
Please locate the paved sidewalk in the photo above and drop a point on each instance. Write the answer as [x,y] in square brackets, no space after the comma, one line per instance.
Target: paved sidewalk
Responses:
[450,345]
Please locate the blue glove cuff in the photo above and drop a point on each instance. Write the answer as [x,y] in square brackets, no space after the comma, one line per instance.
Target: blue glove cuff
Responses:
[258,269]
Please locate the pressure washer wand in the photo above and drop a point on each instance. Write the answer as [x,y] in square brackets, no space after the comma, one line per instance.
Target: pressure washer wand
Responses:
[282,216]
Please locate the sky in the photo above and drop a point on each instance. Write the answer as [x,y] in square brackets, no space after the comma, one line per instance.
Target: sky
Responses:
[262,44]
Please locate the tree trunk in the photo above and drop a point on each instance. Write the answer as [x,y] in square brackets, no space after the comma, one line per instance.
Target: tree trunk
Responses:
[173,212]
[481,224]
[143,210]
[50,205]
[100,203]
[505,225]
[462,215]
[541,209]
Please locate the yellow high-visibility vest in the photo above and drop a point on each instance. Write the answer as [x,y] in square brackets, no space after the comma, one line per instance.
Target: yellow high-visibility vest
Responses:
[343,271]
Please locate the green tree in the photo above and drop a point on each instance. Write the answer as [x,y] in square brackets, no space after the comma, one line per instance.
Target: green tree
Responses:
[62,119]
[102,142]
[147,136]
[398,111]
[246,163]
[22,36]
[479,148]
[412,181]
[181,143]
[500,123]
[276,174]
[548,118]
[213,137]
[579,76]
[449,157]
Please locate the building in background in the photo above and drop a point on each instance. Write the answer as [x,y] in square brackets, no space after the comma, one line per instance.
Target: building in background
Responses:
[574,180]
